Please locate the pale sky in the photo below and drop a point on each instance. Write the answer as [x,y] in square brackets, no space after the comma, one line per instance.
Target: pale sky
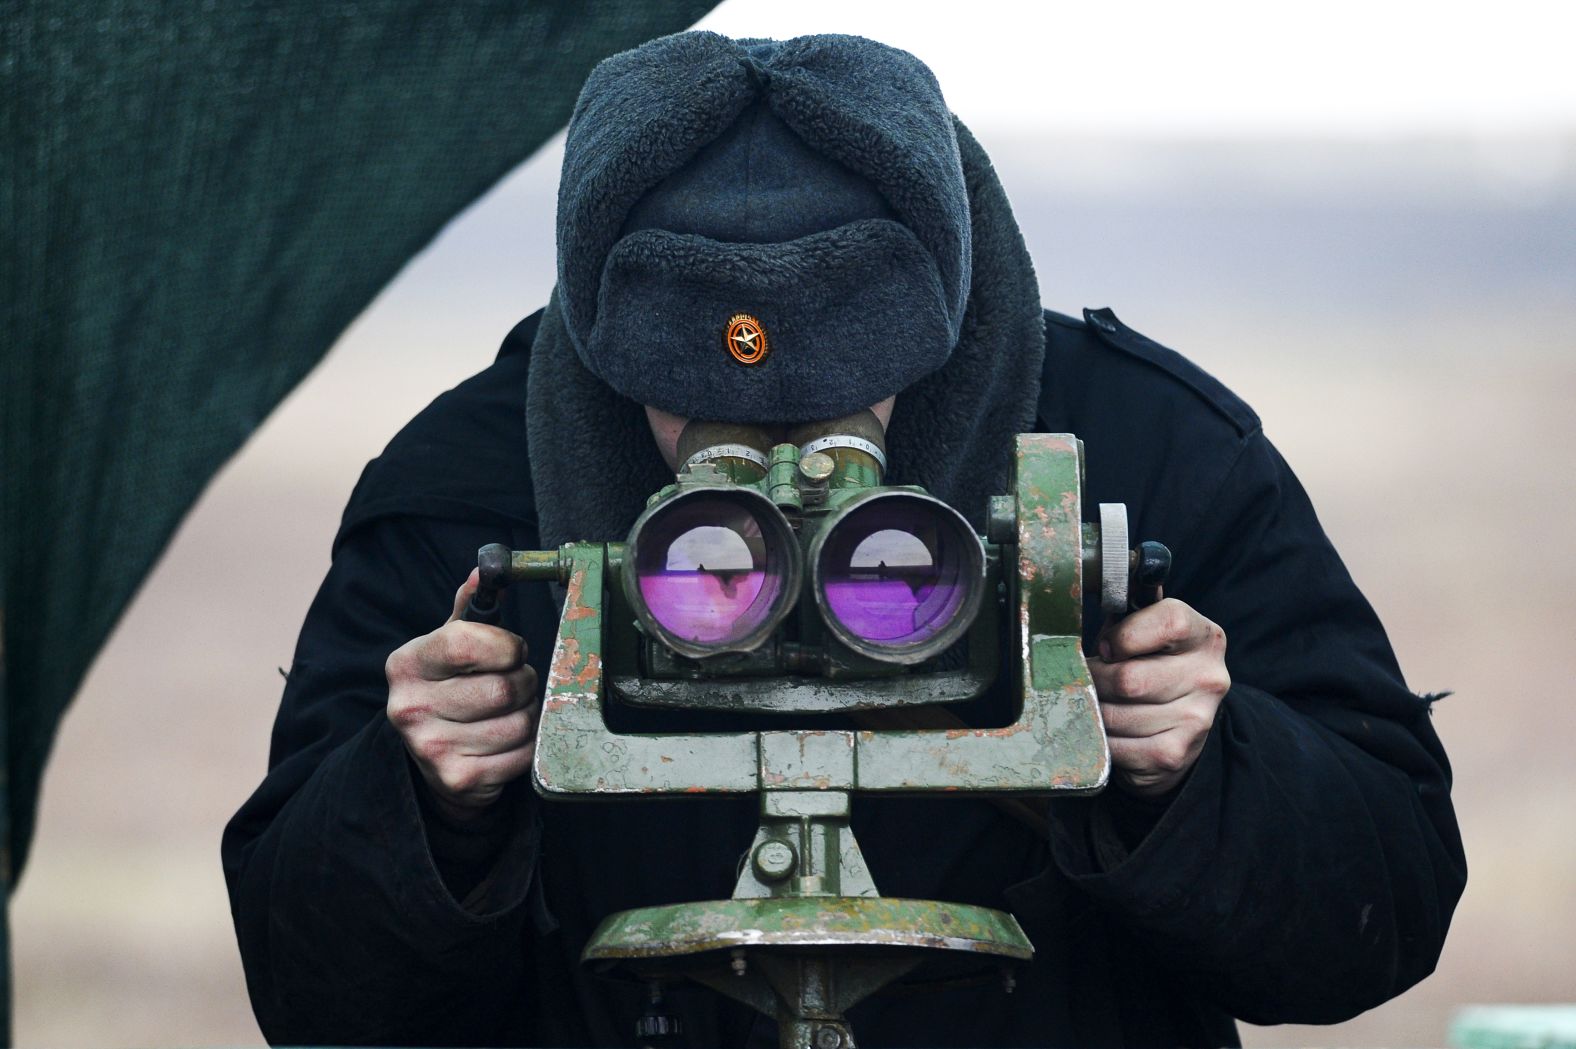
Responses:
[1207,68]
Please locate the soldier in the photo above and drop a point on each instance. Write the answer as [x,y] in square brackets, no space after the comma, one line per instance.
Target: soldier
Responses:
[775,233]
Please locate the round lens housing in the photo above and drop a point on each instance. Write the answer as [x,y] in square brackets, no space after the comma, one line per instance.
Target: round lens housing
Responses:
[898,576]
[712,570]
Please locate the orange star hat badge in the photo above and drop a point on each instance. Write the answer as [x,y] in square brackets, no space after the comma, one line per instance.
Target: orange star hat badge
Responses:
[746,339]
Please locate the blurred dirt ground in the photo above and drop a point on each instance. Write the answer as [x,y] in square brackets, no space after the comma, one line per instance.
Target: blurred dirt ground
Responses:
[1434,431]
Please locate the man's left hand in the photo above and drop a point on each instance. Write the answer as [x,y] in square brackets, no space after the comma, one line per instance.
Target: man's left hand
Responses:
[1160,676]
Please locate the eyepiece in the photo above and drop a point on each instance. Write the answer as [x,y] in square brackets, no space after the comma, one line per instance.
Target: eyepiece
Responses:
[712,570]
[898,576]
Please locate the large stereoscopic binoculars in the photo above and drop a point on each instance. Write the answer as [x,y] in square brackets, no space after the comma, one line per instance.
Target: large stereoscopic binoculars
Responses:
[792,539]
[779,575]
[754,532]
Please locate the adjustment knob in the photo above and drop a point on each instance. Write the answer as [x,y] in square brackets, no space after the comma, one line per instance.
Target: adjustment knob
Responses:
[657,1028]
[657,1025]
[1113,558]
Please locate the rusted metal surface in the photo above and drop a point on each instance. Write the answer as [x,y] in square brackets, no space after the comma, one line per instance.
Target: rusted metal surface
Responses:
[1025,812]
[1058,744]
[783,478]
[811,759]
[803,695]
[772,679]
[807,934]
[824,921]
[576,754]
[1050,533]
[804,847]
[808,992]
[536,564]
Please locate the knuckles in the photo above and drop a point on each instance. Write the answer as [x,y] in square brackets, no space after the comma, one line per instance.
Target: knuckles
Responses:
[420,708]
[468,645]
[453,650]
[1197,718]
[1168,623]
[432,750]
[1172,755]
[400,663]
[1128,679]
[460,778]
[1176,620]
[1217,640]
[1214,681]
[406,715]
[458,647]
[1162,625]
[498,692]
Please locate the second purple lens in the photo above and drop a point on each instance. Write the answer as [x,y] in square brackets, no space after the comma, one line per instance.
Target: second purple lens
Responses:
[898,571]
[705,569]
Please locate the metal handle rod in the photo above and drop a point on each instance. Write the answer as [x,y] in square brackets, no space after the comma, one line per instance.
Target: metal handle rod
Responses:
[496,567]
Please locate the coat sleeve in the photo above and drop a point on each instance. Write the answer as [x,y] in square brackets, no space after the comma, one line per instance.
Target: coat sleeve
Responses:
[1308,867]
[348,932]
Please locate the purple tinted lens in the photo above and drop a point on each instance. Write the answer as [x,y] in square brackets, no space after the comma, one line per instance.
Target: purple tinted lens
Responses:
[893,571]
[704,570]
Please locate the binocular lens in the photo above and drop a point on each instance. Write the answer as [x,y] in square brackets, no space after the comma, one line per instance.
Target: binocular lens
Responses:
[899,572]
[706,571]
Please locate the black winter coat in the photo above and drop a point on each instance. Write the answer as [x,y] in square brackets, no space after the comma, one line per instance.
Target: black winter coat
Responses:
[1305,871]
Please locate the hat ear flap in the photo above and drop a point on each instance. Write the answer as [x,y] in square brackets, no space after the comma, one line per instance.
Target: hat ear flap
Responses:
[952,431]
[593,459]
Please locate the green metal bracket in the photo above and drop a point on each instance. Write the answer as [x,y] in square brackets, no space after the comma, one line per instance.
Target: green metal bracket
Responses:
[1056,745]
[806,934]
[577,755]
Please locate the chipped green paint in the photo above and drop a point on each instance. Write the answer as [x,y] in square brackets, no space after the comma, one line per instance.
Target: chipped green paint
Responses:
[1050,533]
[1048,485]
[775,679]
[807,933]
[817,855]
[1056,745]
[535,564]
[816,921]
[576,753]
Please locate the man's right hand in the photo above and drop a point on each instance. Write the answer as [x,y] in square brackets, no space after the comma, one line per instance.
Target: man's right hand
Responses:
[464,701]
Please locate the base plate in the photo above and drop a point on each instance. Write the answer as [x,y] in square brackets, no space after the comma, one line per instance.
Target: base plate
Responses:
[683,929]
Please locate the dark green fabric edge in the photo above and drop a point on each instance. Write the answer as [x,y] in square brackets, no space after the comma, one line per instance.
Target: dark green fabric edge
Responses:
[197,203]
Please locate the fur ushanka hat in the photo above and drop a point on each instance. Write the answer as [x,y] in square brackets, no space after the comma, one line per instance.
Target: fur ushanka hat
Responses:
[762,231]
[813,194]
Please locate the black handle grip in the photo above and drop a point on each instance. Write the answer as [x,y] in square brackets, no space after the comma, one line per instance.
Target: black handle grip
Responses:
[492,576]
[1151,568]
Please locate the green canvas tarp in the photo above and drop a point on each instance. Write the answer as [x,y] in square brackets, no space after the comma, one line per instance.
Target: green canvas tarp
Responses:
[197,198]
